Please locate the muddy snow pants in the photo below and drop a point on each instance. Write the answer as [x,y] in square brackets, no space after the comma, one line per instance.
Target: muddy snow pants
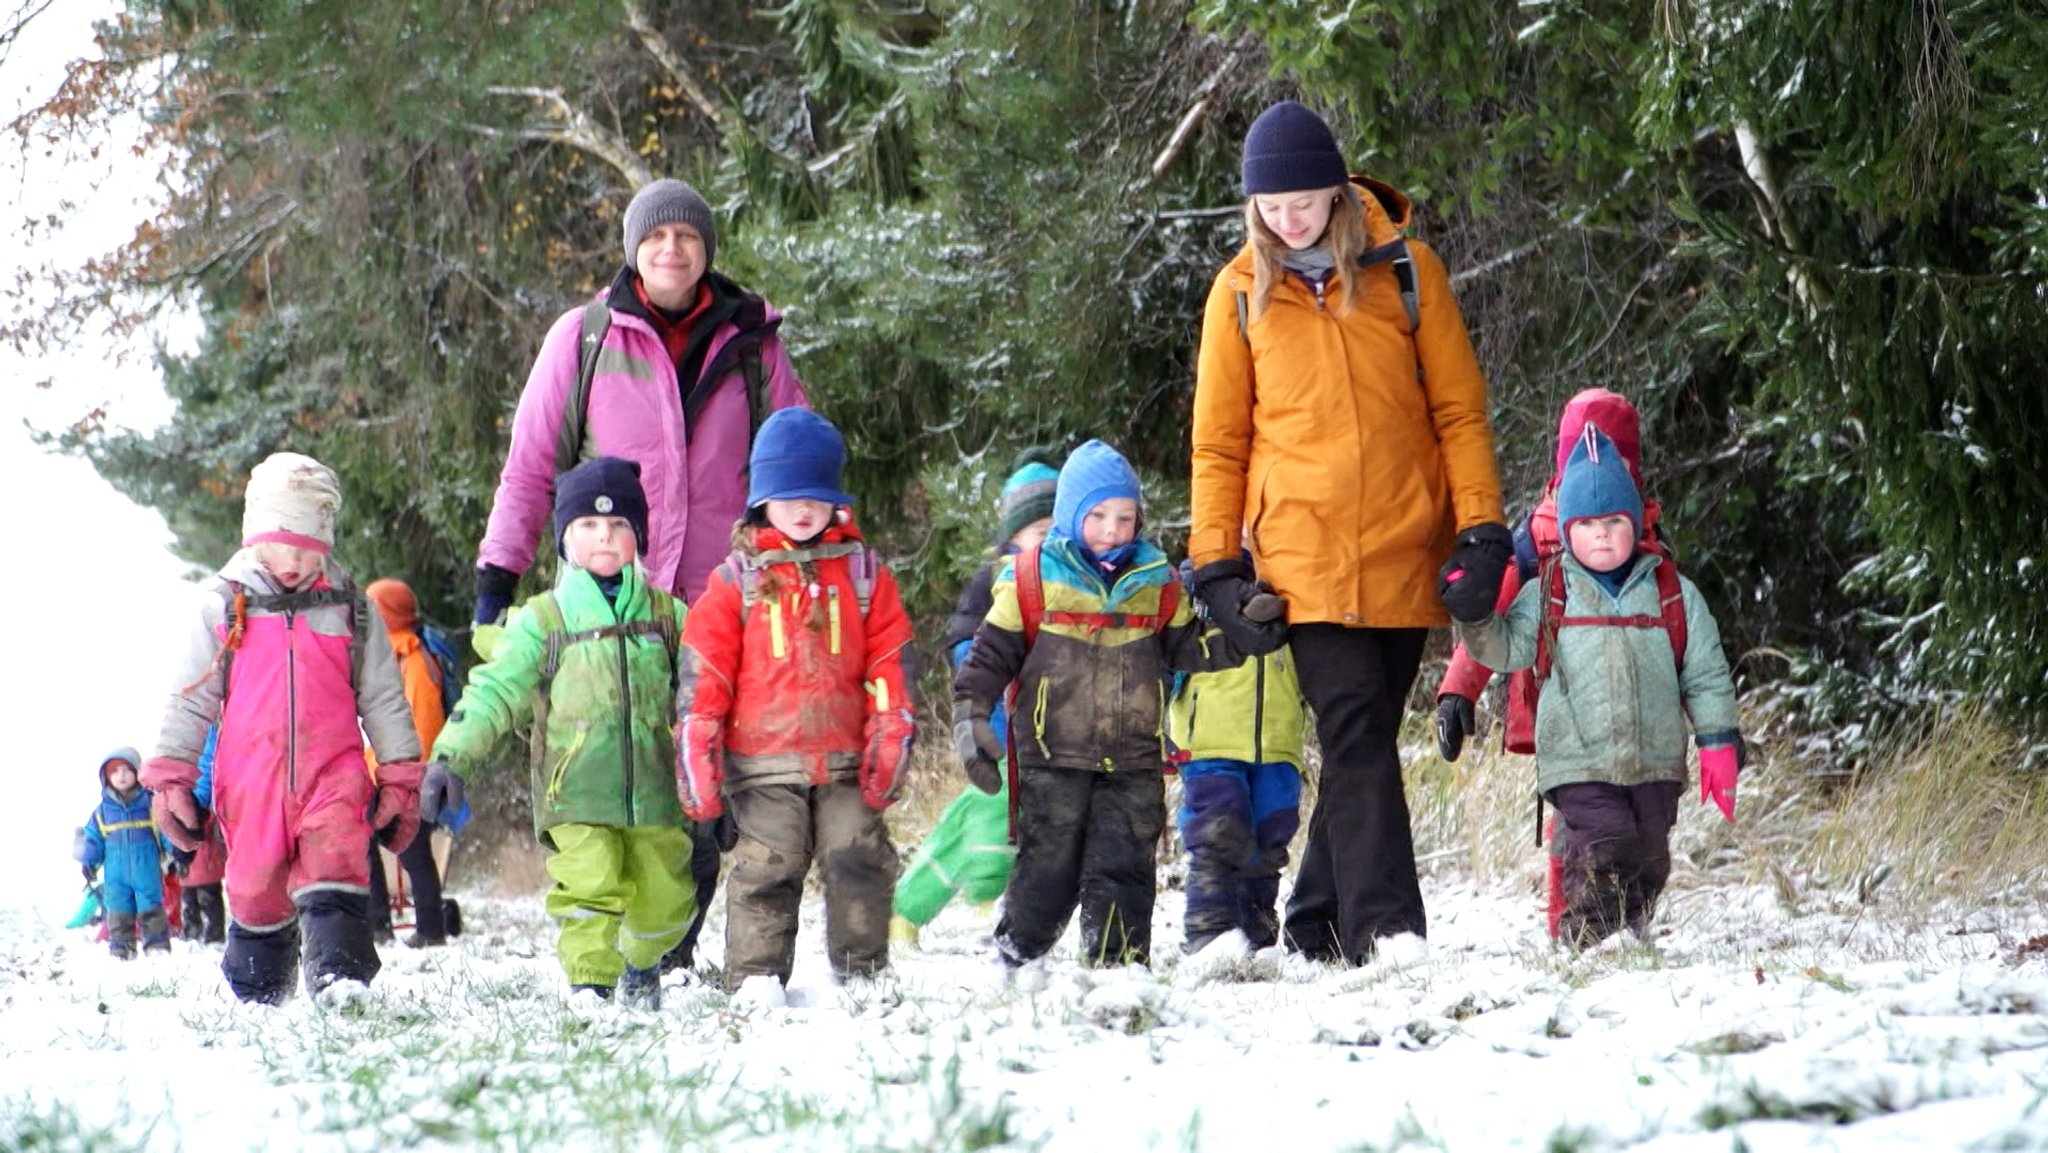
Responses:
[134,910]
[1357,878]
[298,873]
[622,895]
[782,830]
[1617,855]
[1084,838]
[1236,819]
[967,853]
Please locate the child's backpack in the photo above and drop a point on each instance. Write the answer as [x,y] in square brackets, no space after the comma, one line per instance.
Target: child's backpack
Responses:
[447,665]
[558,638]
[862,565]
[1031,604]
[239,600]
[1670,615]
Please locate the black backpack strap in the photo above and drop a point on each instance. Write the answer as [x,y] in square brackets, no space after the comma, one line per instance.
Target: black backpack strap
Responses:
[597,322]
[756,376]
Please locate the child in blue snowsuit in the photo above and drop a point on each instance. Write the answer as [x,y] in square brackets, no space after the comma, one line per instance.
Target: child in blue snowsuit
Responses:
[1237,735]
[120,839]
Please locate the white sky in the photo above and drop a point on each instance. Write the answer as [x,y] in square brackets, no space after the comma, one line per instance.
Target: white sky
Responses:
[93,594]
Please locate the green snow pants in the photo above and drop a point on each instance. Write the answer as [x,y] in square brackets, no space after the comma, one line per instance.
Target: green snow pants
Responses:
[623,897]
[968,852]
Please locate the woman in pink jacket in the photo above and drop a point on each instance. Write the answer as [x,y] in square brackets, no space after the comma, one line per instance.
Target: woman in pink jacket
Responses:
[687,365]
[295,667]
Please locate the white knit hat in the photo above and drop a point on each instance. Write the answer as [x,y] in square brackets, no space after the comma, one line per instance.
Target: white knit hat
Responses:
[291,499]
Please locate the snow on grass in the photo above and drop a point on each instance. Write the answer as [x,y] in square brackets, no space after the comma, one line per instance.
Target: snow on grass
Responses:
[1740,1022]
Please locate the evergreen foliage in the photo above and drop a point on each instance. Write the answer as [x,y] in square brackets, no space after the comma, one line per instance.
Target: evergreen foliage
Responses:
[1806,236]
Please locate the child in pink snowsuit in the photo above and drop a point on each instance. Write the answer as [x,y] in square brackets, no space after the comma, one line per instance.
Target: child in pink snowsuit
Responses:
[286,656]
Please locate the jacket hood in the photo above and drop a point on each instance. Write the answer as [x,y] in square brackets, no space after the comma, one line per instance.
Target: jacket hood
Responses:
[1614,415]
[126,754]
[1093,473]
[1387,213]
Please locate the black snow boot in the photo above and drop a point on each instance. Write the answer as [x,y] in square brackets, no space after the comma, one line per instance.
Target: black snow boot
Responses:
[641,988]
[262,967]
[338,942]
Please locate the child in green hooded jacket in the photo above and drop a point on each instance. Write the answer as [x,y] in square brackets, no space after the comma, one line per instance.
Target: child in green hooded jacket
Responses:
[591,666]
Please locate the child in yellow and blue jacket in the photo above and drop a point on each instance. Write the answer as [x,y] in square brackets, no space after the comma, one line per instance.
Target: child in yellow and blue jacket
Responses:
[1090,654]
[1237,735]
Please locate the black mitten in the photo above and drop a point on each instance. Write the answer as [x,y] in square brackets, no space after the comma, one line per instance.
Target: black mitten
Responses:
[1470,582]
[1454,722]
[1251,616]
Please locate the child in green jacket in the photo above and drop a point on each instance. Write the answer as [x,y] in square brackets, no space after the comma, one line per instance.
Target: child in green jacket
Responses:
[591,666]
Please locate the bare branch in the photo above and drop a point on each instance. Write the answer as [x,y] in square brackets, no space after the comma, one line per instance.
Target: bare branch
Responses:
[564,123]
[1198,111]
[657,45]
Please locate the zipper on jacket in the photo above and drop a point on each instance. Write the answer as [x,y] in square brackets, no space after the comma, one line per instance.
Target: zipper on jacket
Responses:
[1259,714]
[626,727]
[291,701]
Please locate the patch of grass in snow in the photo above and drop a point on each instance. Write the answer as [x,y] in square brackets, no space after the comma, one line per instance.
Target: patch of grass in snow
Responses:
[26,1125]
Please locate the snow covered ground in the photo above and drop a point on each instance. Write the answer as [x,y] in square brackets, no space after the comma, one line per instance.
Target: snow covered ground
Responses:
[1742,1027]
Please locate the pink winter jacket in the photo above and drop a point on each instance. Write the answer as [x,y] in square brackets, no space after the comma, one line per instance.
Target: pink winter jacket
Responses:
[695,477]
[289,698]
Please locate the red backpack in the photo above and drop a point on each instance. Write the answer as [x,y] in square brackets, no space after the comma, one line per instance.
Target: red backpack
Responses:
[1670,615]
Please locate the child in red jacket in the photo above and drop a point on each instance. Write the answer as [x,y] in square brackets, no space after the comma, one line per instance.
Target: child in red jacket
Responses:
[794,709]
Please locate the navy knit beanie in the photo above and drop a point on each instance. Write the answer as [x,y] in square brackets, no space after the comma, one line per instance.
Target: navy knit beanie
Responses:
[668,202]
[607,486]
[798,455]
[1290,149]
[1597,483]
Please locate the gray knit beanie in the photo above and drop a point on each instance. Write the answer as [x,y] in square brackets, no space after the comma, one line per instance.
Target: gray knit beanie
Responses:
[668,202]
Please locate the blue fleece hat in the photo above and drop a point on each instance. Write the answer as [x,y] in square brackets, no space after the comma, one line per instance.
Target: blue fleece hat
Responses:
[1597,483]
[607,486]
[1290,149]
[797,455]
[1093,473]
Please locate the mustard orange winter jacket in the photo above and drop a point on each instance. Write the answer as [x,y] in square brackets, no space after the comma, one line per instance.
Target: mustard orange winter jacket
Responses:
[1312,430]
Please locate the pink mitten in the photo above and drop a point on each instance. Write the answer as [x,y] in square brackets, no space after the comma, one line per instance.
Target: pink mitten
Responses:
[1718,767]
[176,810]
[396,817]
[700,766]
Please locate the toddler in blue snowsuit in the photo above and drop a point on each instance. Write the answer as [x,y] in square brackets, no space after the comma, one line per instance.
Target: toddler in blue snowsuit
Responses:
[120,839]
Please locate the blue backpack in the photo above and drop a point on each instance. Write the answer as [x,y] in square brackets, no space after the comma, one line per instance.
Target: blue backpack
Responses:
[447,665]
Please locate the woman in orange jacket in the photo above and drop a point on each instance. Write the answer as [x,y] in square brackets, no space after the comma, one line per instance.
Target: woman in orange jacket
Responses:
[1340,424]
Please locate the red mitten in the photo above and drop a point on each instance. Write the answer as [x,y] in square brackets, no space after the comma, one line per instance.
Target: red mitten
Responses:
[887,758]
[396,819]
[175,809]
[1718,768]
[700,767]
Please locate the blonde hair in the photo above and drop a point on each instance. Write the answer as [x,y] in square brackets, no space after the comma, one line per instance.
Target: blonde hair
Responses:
[1345,235]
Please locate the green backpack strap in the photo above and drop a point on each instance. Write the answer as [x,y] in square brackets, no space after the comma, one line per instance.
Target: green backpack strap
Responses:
[597,323]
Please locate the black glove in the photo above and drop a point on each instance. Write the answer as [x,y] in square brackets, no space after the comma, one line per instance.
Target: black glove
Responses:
[1251,616]
[91,874]
[494,590]
[974,739]
[1453,724]
[723,831]
[1470,583]
[440,792]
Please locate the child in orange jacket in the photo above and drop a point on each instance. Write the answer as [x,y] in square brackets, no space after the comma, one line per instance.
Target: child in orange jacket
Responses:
[793,709]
